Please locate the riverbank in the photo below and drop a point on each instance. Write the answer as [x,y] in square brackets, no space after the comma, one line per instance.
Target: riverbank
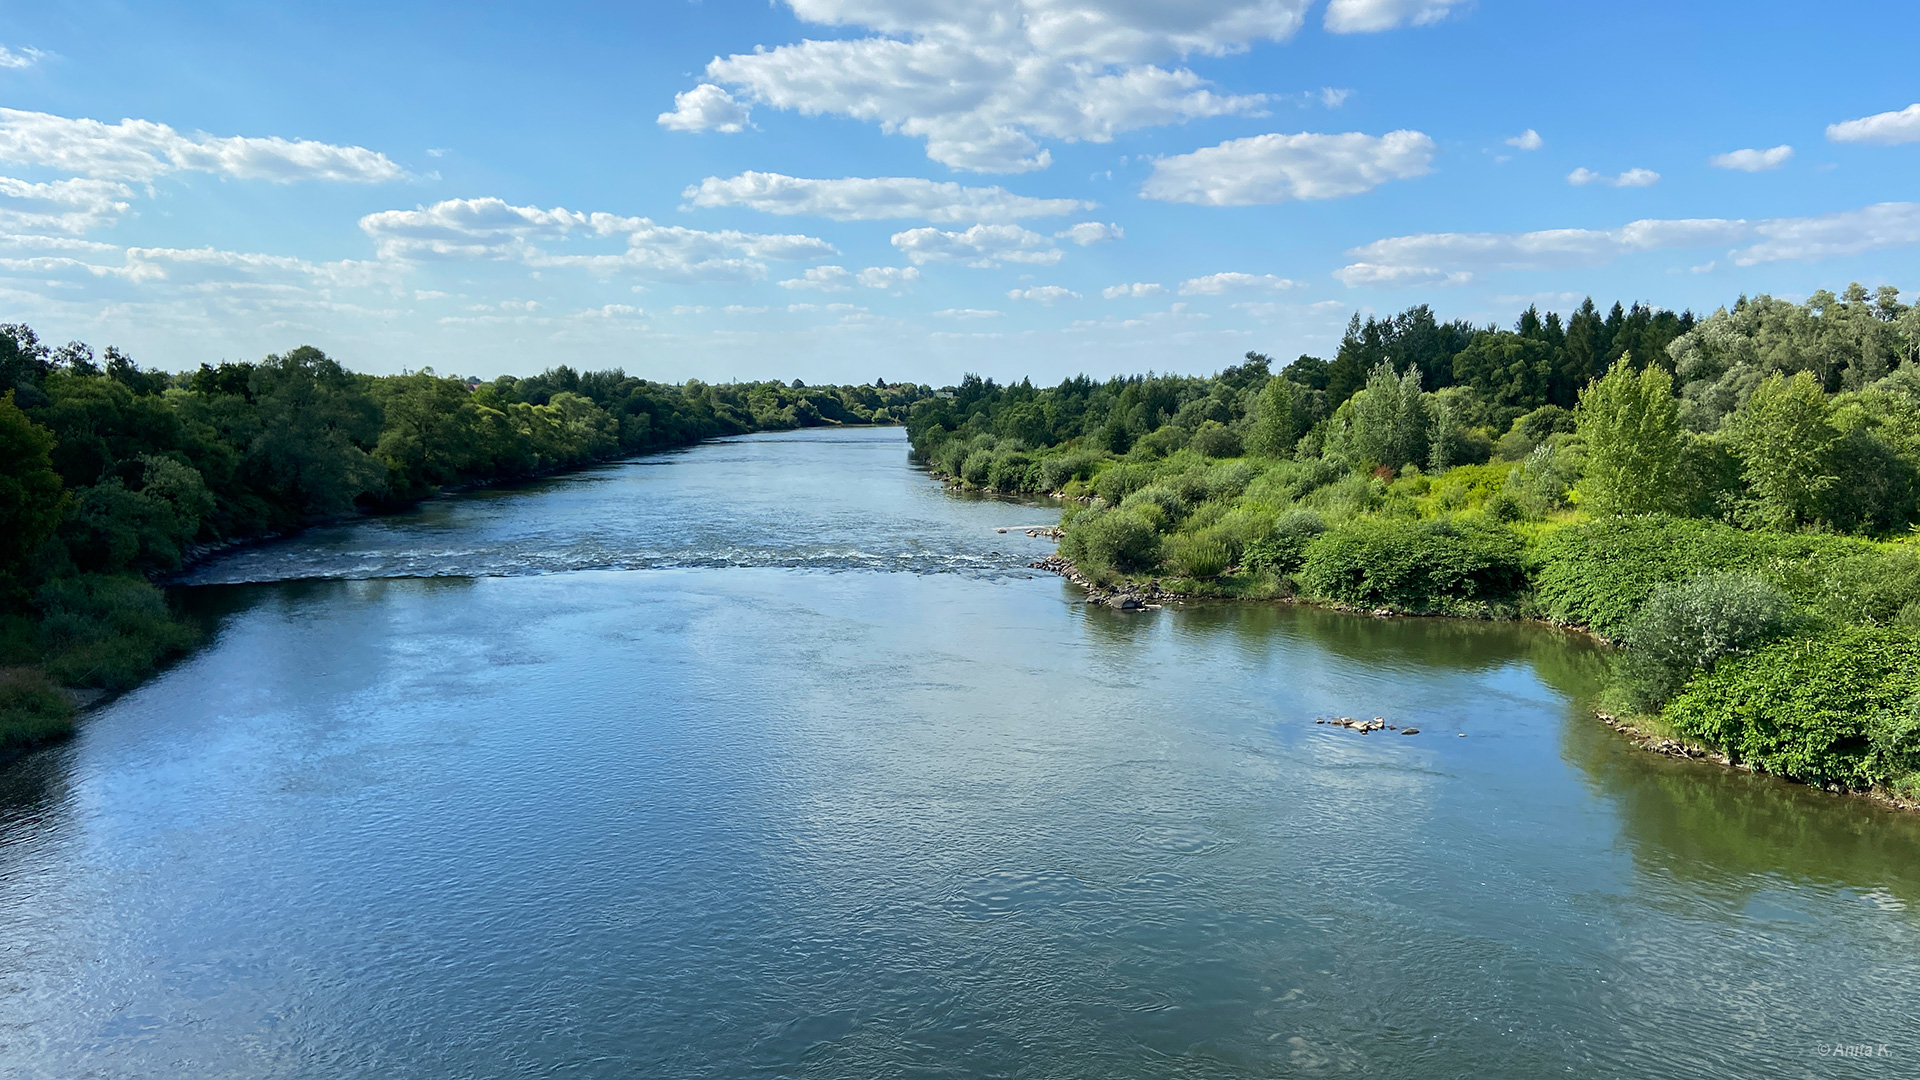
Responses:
[1650,732]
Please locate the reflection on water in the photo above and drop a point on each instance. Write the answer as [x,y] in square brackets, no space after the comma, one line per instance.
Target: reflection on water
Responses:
[719,822]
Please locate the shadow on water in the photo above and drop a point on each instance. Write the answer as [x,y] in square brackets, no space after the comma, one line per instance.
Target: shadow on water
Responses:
[1735,832]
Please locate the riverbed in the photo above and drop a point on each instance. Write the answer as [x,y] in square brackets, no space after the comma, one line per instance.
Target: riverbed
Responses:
[771,757]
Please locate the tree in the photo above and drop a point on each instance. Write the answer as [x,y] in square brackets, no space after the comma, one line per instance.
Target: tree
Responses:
[31,495]
[316,428]
[1786,441]
[1390,420]
[1631,426]
[1272,431]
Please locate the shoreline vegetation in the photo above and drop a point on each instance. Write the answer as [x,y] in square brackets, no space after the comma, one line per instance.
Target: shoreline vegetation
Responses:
[1731,500]
[113,477]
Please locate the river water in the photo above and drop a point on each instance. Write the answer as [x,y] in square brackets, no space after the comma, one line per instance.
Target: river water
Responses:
[769,758]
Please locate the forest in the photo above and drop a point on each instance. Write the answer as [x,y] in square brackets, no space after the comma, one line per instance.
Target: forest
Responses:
[112,476]
[1731,499]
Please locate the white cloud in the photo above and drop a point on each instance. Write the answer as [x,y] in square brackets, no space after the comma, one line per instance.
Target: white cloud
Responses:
[1138,290]
[1333,97]
[1369,16]
[823,279]
[494,229]
[1752,160]
[140,150]
[982,247]
[1527,140]
[897,278]
[24,57]
[66,206]
[1276,168]
[705,108]
[874,198]
[1043,294]
[983,82]
[1454,258]
[1632,178]
[1851,232]
[1091,232]
[968,313]
[1882,129]
[1221,284]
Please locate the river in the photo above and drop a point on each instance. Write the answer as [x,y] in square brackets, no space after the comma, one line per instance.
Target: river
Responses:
[771,758]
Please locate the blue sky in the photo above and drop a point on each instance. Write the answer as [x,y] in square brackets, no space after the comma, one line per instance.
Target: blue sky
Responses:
[909,189]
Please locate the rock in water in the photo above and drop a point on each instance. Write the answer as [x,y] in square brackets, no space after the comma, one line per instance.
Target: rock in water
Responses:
[1410,731]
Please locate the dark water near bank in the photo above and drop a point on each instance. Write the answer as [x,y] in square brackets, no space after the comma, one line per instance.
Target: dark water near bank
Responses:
[770,759]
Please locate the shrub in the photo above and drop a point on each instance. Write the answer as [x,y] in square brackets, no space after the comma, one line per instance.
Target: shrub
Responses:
[1686,628]
[1216,440]
[976,467]
[107,631]
[1284,549]
[1104,542]
[1415,565]
[1166,440]
[1156,503]
[32,710]
[1012,472]
[1199,555]
[1119,481]
[1229,479]
[1831,707]
[1056,472]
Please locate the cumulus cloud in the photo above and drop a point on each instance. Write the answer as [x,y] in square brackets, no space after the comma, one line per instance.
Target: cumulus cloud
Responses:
[705,108]
[141,151]
[1752,160]
[495,229]
[1881,129]
[1632,178]
[1091,232]
[1278,168]
[1371,16]
[983,82]
[822,279]
[1137,290]
[1527,140]
[1221,284]
[1455,258]
[897,278]
[874,198]
[66,206]
[24,57]
[1043,294]
[982,247]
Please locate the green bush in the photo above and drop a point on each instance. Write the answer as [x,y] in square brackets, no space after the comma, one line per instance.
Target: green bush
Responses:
[1283,550]
[1119,481]
[1201,555]
[1836,707]
[32,710]
[1216,440]
[1689,627]
[107,631]
[1418,566]
[1057,471]
[1102,543]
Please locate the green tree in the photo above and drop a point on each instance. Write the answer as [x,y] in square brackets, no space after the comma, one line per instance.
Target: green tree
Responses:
[1630,423]
[1786,440]
[317,425]
[1272,431]
[31,495]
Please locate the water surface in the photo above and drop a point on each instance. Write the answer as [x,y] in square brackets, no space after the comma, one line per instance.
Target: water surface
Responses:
[769,758]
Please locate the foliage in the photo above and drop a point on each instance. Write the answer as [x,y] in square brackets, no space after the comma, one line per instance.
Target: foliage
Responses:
[32,710]
[1630,424]
[1832,707]
[1416,566]
[1687,627]
[31,499]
